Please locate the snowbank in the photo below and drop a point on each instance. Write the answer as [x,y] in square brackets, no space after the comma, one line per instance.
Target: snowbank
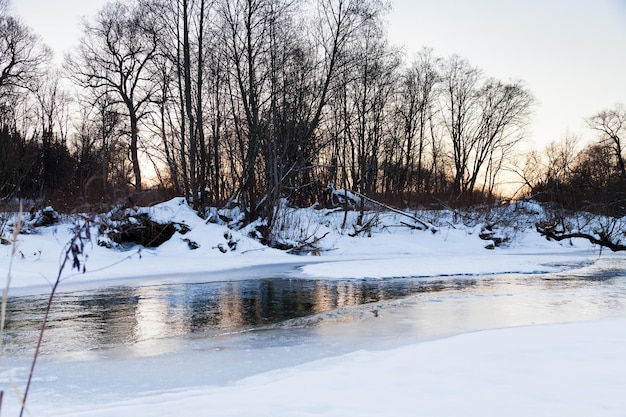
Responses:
[390,246]
[555,370]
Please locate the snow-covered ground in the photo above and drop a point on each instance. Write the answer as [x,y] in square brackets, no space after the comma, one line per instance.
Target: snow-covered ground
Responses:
[574,369]
[557,370]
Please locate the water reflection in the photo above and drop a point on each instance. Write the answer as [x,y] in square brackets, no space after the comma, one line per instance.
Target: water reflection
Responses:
[128,315]
[151,319]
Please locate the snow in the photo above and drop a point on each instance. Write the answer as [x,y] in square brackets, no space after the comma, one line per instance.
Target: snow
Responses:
[556,370]
[565,369]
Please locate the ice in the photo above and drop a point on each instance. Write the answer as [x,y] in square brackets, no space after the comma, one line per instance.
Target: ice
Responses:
[575,369]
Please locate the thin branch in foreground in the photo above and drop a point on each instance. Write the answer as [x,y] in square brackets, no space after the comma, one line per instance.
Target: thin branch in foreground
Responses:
[17,227]
[72,253]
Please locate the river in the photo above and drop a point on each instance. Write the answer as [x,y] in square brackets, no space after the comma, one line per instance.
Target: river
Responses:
[167,336]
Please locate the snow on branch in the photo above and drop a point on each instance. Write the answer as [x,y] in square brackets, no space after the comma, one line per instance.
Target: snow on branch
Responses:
[426,225]
[355,198]
[345,196]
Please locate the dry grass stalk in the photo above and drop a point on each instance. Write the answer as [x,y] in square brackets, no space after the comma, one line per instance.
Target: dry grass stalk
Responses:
[17,227]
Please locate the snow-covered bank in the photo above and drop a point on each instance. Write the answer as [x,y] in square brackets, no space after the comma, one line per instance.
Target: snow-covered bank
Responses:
[389,249]
[568,370]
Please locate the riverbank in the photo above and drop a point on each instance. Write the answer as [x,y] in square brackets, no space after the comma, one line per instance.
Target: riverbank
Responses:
[390,248]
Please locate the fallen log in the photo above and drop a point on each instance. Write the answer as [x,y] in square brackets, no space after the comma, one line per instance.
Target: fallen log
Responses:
[601,239]
[426,225]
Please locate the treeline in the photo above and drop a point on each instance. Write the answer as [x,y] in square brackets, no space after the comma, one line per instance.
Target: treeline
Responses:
[578,176]
[250,101]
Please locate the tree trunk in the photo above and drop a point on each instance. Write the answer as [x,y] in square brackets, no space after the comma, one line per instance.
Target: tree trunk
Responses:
[134,153]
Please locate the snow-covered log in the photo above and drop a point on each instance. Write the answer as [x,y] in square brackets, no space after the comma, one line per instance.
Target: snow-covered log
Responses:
[354,198]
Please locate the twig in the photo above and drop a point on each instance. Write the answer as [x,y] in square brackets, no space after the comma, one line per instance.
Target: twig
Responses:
[74,248]
[127,258]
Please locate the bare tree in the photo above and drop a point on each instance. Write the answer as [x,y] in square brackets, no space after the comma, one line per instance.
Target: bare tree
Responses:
[163,125]
[611,124]
[277,110]
[22,55]
[484,120]
[53,102]
[189,21]
[504,110]
[115,56]
[246,36]
[416,97]
[594,170]
[98,144]
[561,156]
[547,175]
[370,92]
[460,82]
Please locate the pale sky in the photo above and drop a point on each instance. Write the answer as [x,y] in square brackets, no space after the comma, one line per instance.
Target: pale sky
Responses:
[570,53]
[56,21]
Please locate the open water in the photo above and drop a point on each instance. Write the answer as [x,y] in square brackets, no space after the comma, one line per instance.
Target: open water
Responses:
[149,320]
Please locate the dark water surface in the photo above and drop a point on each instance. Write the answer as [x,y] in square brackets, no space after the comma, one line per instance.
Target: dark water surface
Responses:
[126,315]
[418,307]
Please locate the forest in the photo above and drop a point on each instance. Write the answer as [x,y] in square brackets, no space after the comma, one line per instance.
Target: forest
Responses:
[250,102]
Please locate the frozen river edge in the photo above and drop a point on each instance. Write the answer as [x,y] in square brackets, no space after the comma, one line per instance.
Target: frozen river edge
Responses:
[556,370]
[574,369]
